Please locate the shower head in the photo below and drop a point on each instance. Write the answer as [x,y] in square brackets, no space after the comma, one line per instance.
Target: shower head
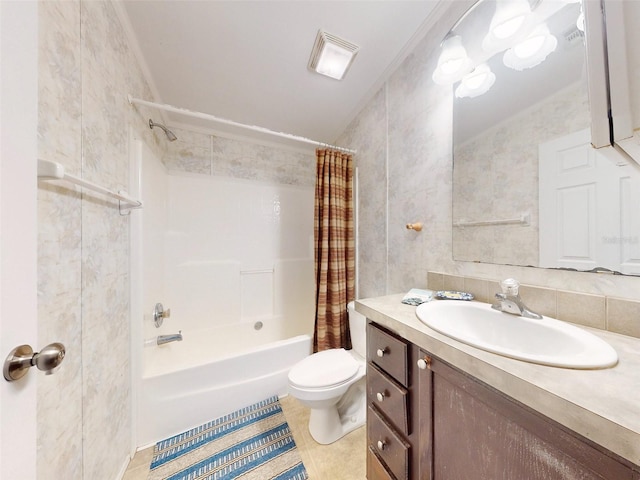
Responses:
[170,135]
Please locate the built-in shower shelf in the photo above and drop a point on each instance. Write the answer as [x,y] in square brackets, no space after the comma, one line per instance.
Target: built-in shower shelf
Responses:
[53,171]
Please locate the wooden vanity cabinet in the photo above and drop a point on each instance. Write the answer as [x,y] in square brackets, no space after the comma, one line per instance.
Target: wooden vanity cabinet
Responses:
[474,431]
[427,420]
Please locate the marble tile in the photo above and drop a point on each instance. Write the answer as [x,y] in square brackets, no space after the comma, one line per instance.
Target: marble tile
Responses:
[453,282]
[184,157]
[540,300]
[435,281]
[623,316]
[479,289]
[86,68]
[584,309]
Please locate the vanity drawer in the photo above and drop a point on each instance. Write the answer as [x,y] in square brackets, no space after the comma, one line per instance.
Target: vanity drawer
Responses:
[375,469]
[389,397]
[392,449]
[389,353]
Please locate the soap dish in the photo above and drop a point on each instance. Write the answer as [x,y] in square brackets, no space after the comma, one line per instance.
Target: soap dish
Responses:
[451,295]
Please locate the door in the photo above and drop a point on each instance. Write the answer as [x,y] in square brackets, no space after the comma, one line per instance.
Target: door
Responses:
[585,213]
[18,302]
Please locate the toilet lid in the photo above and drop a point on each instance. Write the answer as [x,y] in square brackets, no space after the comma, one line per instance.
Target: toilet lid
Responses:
[324,369]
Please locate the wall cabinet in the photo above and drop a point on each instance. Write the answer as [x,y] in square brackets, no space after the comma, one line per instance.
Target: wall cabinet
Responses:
[433,421]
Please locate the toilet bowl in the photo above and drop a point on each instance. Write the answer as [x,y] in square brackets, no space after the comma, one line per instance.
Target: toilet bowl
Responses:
[332,384]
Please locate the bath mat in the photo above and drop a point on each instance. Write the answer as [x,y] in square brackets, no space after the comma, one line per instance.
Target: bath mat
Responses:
[253,443]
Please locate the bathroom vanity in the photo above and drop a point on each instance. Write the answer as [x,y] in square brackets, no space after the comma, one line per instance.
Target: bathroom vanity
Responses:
[440,409]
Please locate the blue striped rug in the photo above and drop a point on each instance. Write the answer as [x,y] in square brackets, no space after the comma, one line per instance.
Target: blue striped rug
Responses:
[253,443]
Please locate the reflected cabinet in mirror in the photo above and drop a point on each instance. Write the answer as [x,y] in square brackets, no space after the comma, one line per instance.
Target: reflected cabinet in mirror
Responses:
[528,187]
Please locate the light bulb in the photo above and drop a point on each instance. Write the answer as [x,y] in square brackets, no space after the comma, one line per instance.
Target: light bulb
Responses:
[453,62]
[532,51]
[529,47]
[508,27]
[479,81]
[506,24]
[452,66]
[475,81]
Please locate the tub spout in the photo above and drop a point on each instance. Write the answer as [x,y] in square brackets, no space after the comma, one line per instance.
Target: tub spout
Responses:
[175,337]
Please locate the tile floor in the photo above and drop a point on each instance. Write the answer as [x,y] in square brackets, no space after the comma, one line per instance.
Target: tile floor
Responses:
[343,460]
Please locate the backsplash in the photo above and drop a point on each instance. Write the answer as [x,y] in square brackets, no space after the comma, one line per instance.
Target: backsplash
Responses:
[610,313]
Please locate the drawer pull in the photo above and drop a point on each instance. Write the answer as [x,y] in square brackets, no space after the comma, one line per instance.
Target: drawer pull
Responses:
[381,351]
[380,396]
[424,363]
[381,445]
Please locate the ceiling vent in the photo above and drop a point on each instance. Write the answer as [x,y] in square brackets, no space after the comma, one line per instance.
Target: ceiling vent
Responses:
[331,55]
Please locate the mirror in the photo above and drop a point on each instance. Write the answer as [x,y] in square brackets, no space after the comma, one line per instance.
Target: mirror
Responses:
[528,188]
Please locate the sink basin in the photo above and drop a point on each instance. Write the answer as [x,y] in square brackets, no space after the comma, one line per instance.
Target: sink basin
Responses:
[546,341]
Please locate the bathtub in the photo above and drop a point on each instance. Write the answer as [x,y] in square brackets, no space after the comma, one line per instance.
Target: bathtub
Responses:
[212,373]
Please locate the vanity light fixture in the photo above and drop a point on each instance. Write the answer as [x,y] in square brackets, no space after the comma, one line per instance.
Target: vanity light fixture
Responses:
[506,24]
[514,29]
[453,62]
[331,55]
[531,51]
[479,81]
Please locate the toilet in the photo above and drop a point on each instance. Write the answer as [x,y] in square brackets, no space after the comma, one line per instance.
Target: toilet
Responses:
[332,384]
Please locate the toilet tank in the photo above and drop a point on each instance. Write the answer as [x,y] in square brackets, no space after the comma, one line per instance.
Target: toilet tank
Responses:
[358,330]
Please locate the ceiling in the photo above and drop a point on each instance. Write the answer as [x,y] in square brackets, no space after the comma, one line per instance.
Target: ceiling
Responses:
[246,61]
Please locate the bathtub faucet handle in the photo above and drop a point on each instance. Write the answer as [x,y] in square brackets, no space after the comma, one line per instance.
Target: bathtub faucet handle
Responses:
[159,314]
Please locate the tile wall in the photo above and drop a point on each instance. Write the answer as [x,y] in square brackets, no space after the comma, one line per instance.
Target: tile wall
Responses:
[86,70]
[208,154]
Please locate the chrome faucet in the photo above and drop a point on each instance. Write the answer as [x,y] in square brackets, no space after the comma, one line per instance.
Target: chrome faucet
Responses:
[175,337]
[509,300]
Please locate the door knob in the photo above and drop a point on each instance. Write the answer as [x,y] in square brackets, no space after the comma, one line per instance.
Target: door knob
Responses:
[22,358]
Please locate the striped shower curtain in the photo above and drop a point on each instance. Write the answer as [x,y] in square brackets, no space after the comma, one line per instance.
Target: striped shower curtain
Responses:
[334,248]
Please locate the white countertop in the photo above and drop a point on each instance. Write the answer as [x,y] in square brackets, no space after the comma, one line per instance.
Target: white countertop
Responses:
[601,405]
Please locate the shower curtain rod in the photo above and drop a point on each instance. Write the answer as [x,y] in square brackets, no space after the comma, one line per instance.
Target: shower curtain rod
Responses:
[206,116]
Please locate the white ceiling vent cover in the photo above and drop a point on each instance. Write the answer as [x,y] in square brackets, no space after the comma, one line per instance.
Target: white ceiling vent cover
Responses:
[331,55]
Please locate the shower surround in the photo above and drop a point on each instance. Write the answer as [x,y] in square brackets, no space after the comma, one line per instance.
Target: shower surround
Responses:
[233,260]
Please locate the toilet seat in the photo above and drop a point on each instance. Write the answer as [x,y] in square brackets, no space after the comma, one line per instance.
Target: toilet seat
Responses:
[326,369]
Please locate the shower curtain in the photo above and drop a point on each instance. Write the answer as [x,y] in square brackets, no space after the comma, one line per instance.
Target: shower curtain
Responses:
[334,248]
